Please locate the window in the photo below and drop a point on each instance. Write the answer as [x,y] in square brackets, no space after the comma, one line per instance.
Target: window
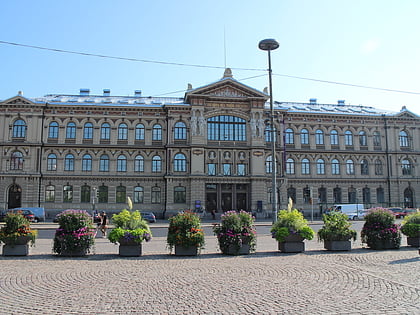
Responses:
[307,195]
[269,164]
[85,193]
[180,195]
[88,131]
[380,195]
[322,195]
[290,166]
[19,129]
[335,167]
[348,138]
[352,195]
[139,132]
[69,162]
[406,167]
[366,195]
[290,137]
[376,139]
[180,163]
[121,195]
[103,194]
[227,169]
[378,167]
[404,141]
[156,164]
[268,133]
[86,163]
[226,128]
[67,193]
[306,167]
[155,194]
[362,138]
[71,130]
[16,161]
[52,162]
[364,165]
[334,137]
[211,169]
[337,195]
[139,164]
[180,131]
[104,163]
[157,133]
[350,167]
[122,163]
[105,131]
[50,193]
[122,131]
[53,130]
[291,193]
[138,194]
[240,170]
[319,137]
[304,136]
[320,167]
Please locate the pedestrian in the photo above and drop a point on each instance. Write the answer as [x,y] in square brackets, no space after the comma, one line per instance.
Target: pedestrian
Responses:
[104,223]
[213,214]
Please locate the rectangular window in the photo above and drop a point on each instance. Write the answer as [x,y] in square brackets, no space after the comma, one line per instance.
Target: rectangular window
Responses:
[227,169]
[211,169]
[241,170]
[68,193]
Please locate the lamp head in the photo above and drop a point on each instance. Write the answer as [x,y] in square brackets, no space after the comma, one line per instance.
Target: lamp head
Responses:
[268,44]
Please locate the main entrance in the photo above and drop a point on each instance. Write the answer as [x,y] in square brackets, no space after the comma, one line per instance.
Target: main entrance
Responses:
[14,197]
[226,197]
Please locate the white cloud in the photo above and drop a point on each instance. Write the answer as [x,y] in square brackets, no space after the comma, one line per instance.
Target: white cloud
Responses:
[370,46]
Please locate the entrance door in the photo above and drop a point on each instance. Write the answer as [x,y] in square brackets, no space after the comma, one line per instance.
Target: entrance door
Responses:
[15,197]
[226,201]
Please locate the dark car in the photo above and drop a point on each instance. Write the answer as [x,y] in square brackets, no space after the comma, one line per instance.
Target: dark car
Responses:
[26,213]
[149,216]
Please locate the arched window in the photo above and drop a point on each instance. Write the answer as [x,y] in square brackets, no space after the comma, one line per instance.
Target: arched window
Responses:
[306,167]
[352,195]
[122,163]
[139,164]
[121,195]
[304,136]
[306,193]
[104,163]
[349,167]
[226,128]
[85,193]
[366,195]
[157,132]
[320,167]
[103,194]
[53,130]
[362,138]
[50,193]
[322,195]
[406,167]
[404,140]
[348,138]
[19,129]
[291,193]
[364,167]
[269,164]
[180,163]
[380,195]
[180,131]
[69,162]
[337,195]
[123,131]
[289,136]
[155,194]
[139,132]
[156,164]
[290,166]
[71,130]
[376,138]
[88,131]
[138,194]
[52,162]
[408,198]
[319,137]
[335,167]
[67,193]
[105,131]
[180,194]
[378,167]
[16,161]
[334,137]
[86,163]
[268,133]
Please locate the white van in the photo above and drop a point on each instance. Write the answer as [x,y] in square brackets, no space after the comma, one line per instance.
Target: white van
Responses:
[354,211]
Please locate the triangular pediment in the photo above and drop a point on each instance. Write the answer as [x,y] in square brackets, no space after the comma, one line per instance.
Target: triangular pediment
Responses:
[18,100]
[405,113]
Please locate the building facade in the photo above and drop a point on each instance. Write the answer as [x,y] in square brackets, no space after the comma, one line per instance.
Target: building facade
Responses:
[209,150]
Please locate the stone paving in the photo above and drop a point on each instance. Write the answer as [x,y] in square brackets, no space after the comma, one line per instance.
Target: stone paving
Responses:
[267,282]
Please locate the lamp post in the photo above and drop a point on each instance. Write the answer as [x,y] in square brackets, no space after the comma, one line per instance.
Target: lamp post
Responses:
[269,45]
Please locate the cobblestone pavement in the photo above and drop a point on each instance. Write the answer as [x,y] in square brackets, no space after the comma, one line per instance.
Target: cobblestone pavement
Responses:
[268,282]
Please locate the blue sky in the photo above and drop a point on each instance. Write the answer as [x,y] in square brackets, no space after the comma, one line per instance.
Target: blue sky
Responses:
[366,42]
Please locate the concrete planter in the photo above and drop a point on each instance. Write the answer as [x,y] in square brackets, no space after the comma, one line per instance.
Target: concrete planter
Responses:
[292,244]
[16,250]
[134,250]
[74,253]
[413,241]
[186,251]
[337,245]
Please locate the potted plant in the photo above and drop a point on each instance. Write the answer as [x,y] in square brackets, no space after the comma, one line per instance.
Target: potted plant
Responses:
[75,235]
[291,229]
[17,235]
[185,234]
[236,233]
[129,231]
[380,231]
[411,228]
[336,232]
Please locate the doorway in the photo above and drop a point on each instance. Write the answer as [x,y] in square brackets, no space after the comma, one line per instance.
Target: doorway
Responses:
[14,197]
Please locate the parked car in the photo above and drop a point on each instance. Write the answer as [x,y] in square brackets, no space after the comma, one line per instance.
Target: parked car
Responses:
[408,211]
[398,212]
[26,213]
[149,216]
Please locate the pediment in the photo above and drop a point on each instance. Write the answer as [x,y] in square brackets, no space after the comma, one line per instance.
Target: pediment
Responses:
[406,114]
[18,100]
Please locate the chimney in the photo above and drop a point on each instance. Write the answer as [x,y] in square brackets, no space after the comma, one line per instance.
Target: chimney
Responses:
[312,101]
[107,92]
[137,93]
[84,92]
[341,102]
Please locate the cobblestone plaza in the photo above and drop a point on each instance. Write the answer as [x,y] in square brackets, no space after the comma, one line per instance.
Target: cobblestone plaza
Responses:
[362,281]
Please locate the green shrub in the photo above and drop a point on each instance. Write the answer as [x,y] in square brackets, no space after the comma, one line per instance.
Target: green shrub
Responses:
[411,225]
[336,228]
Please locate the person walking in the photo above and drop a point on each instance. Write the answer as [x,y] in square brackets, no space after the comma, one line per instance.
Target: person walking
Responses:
[104,223]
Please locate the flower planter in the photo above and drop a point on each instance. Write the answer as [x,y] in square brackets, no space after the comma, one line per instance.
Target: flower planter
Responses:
[413,241]
[186,251]
[74,253]
[337,245]
[293,243]
[382,244]
[233,250]
[15,250]
[131,250]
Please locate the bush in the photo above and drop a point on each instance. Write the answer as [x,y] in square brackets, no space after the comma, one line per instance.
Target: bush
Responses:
[185,230]
[336,228]
[411,225]
[16,225]
[129,226]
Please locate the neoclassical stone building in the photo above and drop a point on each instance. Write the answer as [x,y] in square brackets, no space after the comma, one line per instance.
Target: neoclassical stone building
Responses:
[210,149]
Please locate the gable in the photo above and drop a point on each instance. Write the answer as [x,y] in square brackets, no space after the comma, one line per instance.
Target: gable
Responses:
[18,100]
[406,114]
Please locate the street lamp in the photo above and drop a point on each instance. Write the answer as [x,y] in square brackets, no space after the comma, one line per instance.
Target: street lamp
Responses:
[269,45]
